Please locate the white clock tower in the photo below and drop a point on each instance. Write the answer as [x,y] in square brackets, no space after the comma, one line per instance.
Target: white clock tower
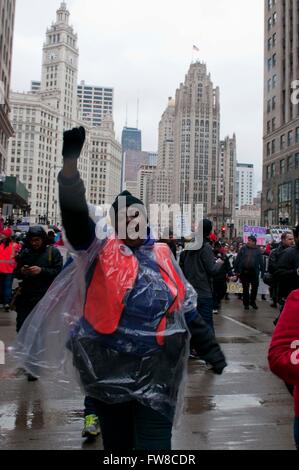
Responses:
[60,67]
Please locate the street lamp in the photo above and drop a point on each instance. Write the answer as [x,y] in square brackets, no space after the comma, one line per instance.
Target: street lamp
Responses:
[48,194]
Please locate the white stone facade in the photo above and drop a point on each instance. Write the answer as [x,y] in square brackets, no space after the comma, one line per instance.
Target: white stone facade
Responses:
[39,119]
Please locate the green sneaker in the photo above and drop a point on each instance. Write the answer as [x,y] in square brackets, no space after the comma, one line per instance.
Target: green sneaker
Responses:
[91,427]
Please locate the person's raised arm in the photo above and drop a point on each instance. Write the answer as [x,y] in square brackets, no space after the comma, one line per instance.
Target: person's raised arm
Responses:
[79,228]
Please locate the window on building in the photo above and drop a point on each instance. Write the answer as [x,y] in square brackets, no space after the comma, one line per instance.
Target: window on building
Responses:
[282,167]
[291,163]
[290,138]
[282,142]
[273,169]
[269,85]
[268,127]
[268,149]
[268,106]
[269,23]
[269,64]
[269,43]
[273,146]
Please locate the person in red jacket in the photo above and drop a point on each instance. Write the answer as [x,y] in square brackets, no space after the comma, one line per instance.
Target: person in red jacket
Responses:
[284,352]
[8,251]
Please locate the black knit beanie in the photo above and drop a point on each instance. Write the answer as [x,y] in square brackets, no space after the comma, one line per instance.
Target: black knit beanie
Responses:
[127,200]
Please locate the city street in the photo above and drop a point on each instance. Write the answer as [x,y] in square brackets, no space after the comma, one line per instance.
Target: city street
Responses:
[246,408]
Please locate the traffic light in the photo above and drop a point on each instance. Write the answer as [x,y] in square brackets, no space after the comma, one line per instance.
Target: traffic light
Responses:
[223,230]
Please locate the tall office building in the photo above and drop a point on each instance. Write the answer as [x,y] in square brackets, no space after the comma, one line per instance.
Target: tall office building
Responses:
[39,120]
[105,164]
[162,183]
[7,18]
[227,166]
[196,140]
[280,198]
[95,103]
[244,185]
[131,139]
[144,177]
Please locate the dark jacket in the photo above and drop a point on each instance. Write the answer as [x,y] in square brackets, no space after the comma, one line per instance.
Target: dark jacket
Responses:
[249,260]
[274,258]
[47,258]
[286,273]
[199,268]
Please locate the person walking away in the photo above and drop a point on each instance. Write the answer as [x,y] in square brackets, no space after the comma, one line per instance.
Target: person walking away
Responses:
[37,267]
[200,268]
[249,265]
[263,289]
[220,279]
[135,298]
[284,353]
[8,252]
[279,288]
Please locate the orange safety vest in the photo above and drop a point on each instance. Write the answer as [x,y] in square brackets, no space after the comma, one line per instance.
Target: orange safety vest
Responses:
[7,258]
[113,279]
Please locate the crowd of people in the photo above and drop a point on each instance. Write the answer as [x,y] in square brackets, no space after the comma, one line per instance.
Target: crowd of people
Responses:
[143,302]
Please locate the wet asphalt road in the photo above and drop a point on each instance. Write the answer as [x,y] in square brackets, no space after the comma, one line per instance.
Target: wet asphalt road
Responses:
[246,408]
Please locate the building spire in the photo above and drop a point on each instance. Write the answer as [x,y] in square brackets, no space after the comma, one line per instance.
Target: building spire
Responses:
[63,14]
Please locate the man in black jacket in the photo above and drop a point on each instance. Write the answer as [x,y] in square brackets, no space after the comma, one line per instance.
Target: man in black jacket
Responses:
[199,268]
[287,272]
[37,266]
[287,241]
[249,265]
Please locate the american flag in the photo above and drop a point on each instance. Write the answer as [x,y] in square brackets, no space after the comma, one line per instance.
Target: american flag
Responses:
[195,48]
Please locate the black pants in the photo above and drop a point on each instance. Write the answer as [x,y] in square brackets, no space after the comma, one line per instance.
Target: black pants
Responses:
[247,279]
[130,426]
[24,307]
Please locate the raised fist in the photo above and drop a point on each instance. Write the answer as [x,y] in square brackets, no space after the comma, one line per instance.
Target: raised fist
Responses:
[73,142]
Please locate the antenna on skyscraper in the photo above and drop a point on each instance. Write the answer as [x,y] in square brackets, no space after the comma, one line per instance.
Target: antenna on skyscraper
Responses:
[127,115]
[137,122]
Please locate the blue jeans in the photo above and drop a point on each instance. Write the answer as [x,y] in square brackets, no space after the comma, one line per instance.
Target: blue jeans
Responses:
[205,309]
[6,281]
[296,432]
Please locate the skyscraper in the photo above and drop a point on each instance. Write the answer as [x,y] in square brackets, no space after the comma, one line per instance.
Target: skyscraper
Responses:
[244,185]
[227,167]
[95,102]
[131,139]
[7,18]
[196,137]
[161,188]
[280,198]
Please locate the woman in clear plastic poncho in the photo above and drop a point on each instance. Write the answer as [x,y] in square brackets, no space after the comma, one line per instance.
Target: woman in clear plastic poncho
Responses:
[130,342]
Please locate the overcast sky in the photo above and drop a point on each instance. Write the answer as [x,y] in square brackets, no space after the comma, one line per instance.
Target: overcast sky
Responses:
[144,49]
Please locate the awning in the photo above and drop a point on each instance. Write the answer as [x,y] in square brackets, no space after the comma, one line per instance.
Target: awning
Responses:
[12,191]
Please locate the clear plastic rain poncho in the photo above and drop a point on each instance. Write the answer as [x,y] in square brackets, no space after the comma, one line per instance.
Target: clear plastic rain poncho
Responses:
[57,343]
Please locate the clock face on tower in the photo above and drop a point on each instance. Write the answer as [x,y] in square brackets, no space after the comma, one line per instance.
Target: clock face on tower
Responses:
[52,56]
